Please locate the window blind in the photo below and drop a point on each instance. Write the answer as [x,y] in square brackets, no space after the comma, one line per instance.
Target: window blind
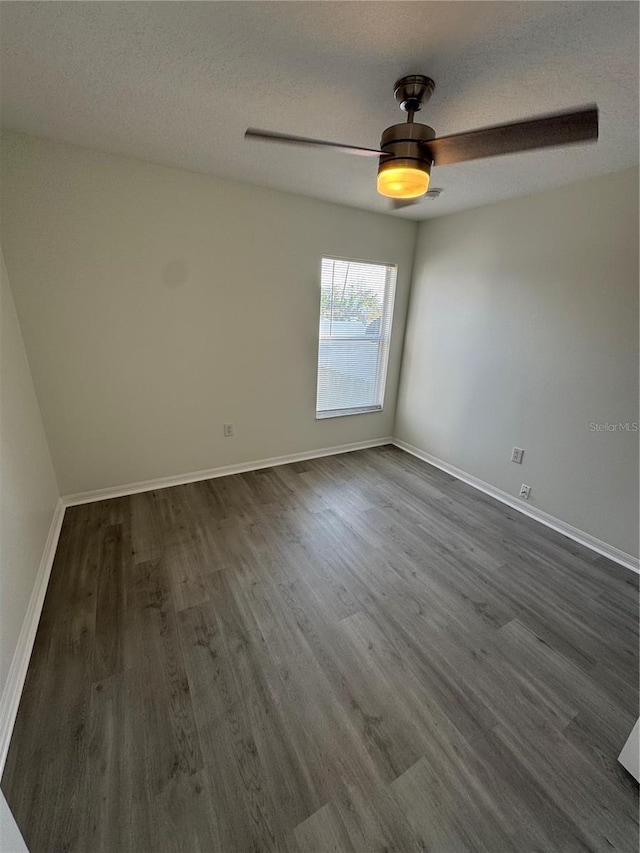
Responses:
[356,308]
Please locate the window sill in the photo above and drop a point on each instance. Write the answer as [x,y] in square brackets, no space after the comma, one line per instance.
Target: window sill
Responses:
[342,413]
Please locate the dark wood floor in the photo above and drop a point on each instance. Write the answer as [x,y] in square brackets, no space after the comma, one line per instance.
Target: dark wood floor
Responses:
[357,653]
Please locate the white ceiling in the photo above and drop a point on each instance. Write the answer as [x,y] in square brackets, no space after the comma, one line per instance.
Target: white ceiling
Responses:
[178,83]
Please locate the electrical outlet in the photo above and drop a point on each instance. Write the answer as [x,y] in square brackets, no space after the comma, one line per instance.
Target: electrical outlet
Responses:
[228,430]
[525,491]
[516,455]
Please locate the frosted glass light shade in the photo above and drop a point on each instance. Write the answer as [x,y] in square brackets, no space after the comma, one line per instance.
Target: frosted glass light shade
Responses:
[402,181]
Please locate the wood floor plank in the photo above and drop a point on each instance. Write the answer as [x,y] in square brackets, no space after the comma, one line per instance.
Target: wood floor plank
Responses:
[102,828]
[434,794]
[161,725]
[323,832]
[354,653]
[570,779]
[569,687]
[108,650]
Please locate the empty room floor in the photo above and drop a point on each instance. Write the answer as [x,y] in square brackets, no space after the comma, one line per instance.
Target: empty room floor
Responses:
[354,653]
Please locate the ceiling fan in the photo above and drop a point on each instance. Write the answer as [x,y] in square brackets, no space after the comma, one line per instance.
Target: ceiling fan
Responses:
[408,151]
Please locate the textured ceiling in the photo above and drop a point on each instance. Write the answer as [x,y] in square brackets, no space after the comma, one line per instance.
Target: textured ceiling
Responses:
[178,83]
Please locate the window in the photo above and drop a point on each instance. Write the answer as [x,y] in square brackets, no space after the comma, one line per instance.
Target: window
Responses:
[356,306]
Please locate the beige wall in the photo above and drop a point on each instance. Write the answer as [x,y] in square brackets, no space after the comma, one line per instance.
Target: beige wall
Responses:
[523,330]
[157,304]
[28,489]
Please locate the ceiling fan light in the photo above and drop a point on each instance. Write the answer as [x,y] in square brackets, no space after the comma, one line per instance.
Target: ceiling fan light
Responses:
[406,181]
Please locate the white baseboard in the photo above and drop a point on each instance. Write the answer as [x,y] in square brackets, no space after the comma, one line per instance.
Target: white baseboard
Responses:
[545,518]
[211,473]
[551,521]
[10,698]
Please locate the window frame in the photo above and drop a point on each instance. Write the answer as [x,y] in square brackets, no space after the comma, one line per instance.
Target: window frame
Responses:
[384,343]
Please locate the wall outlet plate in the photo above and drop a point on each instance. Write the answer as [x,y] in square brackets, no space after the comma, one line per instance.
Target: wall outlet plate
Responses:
[525,491]
[516,455]
[228,430]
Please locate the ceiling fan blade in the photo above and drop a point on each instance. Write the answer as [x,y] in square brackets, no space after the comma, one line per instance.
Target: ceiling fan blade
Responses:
[270,136]
[564,128]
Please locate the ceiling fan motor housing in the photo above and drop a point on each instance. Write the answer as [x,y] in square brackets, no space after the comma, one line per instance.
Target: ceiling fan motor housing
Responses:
[403,146]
